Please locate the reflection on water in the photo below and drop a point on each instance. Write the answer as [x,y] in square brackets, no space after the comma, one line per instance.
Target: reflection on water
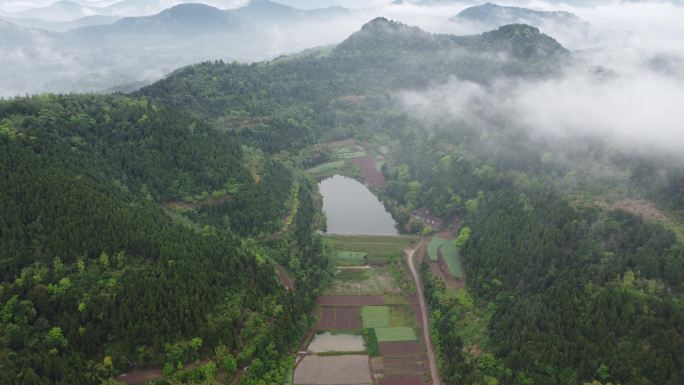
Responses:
[352,209]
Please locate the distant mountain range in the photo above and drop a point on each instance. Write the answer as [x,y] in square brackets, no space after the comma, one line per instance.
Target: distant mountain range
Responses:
[67,10]
[63,26]
[493,15]
[132,49]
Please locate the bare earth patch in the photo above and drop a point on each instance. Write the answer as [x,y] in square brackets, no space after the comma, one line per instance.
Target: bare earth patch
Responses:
[327,342]
[641,208]
[333,370]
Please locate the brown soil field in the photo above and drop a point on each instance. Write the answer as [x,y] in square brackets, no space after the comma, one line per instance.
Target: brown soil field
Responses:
[401,381]
[327,320]
[345,318]
[399,348]
[410,366]
[333,370]
[350,300]
[369,172]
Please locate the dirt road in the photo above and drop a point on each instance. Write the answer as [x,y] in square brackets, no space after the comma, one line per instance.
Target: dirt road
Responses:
[423,311]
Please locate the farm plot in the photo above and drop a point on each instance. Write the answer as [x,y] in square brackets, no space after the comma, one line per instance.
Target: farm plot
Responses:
[450,255]
[350,258]
[399,348]
[327,342]
[376,247]
[411,366]
[369,281]
[340,318]
[333,370]
[433,247]
[400,381]
[395,334]
[375,316]
[350,300]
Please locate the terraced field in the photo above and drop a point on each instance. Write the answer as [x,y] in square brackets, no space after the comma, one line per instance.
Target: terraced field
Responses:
[382,316]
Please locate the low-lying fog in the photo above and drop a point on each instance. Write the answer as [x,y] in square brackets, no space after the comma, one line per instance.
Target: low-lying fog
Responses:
[625,82]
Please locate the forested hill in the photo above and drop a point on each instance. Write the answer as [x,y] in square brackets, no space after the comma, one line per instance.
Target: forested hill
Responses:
[127,239]
[290,98]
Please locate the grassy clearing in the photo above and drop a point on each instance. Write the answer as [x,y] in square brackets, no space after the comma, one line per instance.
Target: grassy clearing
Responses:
[375,316]
[451,257]
[354,275]
[395,299]
[401,315]
[371,341]
[350,258]
[376,280]
[433,247]
[376,247]
[395,334]
[322,168]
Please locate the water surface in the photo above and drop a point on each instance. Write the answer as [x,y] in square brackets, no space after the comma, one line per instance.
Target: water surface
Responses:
[353,209]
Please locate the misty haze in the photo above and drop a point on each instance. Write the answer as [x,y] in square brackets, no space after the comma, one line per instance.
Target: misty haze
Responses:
[348,192]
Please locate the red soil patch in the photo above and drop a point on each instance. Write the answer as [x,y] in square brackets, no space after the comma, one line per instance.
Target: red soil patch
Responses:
[327,320]
[399,348]
[401,381]
[341,318]
[369,172]
[354,321]
[411,366]
[350,300]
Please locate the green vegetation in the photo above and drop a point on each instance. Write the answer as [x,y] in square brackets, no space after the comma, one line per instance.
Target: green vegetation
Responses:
[375,316]
[402,315]
[377,247]
[354,275]
[350,258]
[434,246]
[371,342]
[326,167]
[451,256]
[98,277]
[395,334]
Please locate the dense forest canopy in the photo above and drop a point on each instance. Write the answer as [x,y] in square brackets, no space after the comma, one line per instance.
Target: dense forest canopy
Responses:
[144,229]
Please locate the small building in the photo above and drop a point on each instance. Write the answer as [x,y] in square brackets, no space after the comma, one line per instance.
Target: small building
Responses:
[423,214]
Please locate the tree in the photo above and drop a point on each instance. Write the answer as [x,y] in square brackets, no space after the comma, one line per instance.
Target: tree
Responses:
[225,359]
[463,237]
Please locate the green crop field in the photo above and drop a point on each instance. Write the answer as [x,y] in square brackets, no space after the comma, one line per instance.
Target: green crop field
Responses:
[371,342]
[434,245]
[450,255]
[321,168]
[350,258]
[395,334]
[351,155]
[375,316]
[377,247]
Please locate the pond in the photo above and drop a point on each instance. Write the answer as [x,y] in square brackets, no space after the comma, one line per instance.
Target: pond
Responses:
[353,209]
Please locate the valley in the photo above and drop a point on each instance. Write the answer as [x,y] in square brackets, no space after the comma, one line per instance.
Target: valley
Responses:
[399,208]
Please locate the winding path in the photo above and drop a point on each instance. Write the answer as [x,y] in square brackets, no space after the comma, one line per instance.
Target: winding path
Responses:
[423,311]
